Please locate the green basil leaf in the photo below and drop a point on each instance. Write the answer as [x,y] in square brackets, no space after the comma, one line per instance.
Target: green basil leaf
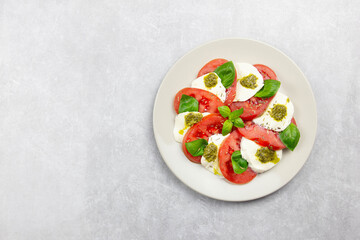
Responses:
[235,114]
[196,147]
[290,136]
[269,89]
[239,164]
[188,104]
[227,127]
[224,111]
[239,123]
[226,72]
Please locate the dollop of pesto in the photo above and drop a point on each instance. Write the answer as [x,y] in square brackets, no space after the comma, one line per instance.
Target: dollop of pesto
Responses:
[266,155]
[278,112]
[192,118]
[211,80]
[249,81]
[210,152]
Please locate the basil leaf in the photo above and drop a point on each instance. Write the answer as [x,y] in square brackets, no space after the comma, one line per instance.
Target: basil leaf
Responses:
[227,127]
[226,72]
[188,104]
[239,123]
[196,147]
[224,111]
[290,136]
[235,114]
[239,164]
[269,89]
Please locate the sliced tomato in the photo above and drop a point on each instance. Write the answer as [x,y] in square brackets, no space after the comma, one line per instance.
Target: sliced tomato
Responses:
[262,136]
[266,72]
[209,125]
[255,106]
[210,67]
[231,92]
[231,144]
[208,102]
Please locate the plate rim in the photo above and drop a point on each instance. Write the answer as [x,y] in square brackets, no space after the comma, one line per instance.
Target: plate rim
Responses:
[212,42]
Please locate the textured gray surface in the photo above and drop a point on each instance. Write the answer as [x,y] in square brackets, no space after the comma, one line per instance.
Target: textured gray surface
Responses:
[78,159]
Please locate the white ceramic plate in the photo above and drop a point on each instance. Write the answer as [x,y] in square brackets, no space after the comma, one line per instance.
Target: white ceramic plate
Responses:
[294,84]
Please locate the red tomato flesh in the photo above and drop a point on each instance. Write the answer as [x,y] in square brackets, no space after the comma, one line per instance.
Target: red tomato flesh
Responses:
[255,106]
[208,126]
[208,102]
[210,67]
[231,144]
[266,72]
[263,136]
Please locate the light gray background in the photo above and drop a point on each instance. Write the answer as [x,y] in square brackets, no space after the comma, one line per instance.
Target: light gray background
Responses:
[78,80]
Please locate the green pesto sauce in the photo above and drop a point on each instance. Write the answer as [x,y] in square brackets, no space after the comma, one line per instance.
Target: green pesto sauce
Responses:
[210,152]
[210,80]
[278,112]
[216,172]
[192,118]
[266,155]
[249,81]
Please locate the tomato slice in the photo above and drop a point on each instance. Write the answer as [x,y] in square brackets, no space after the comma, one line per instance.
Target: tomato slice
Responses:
[208,102]
[231,92]
[266,72]
[231,144]
[209,125]
[263,136]
[210,67]
[255,106]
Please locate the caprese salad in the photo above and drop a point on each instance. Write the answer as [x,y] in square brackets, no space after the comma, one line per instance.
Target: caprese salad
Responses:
[234,121]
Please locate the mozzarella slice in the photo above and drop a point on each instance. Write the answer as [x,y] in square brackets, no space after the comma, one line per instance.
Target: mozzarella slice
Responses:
[213,166]
[245,91]
[180,128]
[218,89]
[271,118]
[249,150]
